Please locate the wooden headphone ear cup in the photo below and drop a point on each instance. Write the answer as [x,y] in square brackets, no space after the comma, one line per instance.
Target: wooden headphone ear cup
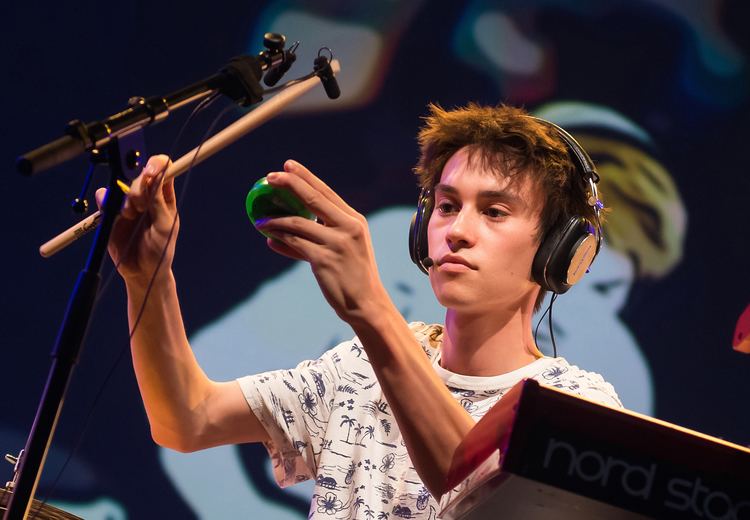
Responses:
[583,254]
[564,255]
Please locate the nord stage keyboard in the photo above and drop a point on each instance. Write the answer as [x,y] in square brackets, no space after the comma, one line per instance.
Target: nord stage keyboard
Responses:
[565,457]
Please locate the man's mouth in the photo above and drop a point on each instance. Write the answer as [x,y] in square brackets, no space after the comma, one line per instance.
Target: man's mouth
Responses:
[451,260]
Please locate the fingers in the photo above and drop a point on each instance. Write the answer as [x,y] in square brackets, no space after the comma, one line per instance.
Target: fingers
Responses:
[283,249]
[318,198]
[168,191]
[292,166]
[149,191]
[122,229]
[99,197]
[288,227]
[300,238]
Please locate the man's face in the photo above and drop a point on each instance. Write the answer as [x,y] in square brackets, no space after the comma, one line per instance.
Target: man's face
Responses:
[482,237]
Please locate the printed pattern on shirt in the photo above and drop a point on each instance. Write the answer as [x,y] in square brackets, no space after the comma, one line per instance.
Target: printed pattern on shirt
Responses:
[329,421]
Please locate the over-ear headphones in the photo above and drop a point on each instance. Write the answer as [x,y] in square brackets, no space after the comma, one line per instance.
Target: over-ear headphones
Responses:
[567,249]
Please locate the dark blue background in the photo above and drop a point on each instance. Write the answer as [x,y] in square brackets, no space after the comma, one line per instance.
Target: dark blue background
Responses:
[64,61]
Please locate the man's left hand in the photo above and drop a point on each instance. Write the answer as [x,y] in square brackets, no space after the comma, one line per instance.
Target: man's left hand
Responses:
[338,246]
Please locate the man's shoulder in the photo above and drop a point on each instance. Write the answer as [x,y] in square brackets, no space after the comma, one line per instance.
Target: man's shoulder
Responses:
[559,373]
[430,336]
[350,355]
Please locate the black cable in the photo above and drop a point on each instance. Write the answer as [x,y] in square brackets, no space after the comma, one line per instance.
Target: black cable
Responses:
[142,219]
[174,221]
[551,328]
[158,179]
[100,392]
[536,329]
[541,318]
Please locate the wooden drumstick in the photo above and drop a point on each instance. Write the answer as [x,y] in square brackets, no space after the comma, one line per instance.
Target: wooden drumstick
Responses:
[214,144]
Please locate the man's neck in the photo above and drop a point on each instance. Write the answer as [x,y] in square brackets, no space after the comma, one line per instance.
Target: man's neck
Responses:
[487,344]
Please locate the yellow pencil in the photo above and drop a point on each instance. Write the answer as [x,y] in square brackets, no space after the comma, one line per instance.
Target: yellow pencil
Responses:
[124,187]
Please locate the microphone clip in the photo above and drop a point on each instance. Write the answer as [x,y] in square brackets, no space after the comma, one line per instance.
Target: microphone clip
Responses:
[279,59]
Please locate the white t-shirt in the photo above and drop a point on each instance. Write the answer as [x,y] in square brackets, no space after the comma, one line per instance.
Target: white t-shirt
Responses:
[329,421]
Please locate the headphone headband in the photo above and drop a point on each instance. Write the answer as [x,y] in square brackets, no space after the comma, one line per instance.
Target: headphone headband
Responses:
[583,162]
[565,252]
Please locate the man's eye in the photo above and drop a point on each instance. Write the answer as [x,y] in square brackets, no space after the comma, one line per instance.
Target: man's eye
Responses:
[495,212]
[445,207]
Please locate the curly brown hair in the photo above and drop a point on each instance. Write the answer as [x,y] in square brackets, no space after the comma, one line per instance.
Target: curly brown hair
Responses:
[511,144]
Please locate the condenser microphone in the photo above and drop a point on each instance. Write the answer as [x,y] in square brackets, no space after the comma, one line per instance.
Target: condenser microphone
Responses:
[322,67]
[428,262]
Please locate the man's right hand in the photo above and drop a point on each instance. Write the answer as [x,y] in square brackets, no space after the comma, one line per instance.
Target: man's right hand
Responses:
[187,411]
[147,226]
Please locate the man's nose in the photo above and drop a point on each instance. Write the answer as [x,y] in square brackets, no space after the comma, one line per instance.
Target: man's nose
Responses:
[462,230]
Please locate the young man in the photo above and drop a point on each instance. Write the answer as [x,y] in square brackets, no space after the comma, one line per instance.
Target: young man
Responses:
[376,420]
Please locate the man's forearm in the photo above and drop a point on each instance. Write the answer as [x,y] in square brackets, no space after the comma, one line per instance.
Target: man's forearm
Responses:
[173,386]
[432,423]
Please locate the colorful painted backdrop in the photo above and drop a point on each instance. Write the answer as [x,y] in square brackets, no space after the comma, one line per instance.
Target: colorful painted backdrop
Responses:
[656,90]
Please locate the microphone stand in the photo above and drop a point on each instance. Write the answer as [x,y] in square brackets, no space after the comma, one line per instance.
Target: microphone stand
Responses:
[122,153]
[73,330]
